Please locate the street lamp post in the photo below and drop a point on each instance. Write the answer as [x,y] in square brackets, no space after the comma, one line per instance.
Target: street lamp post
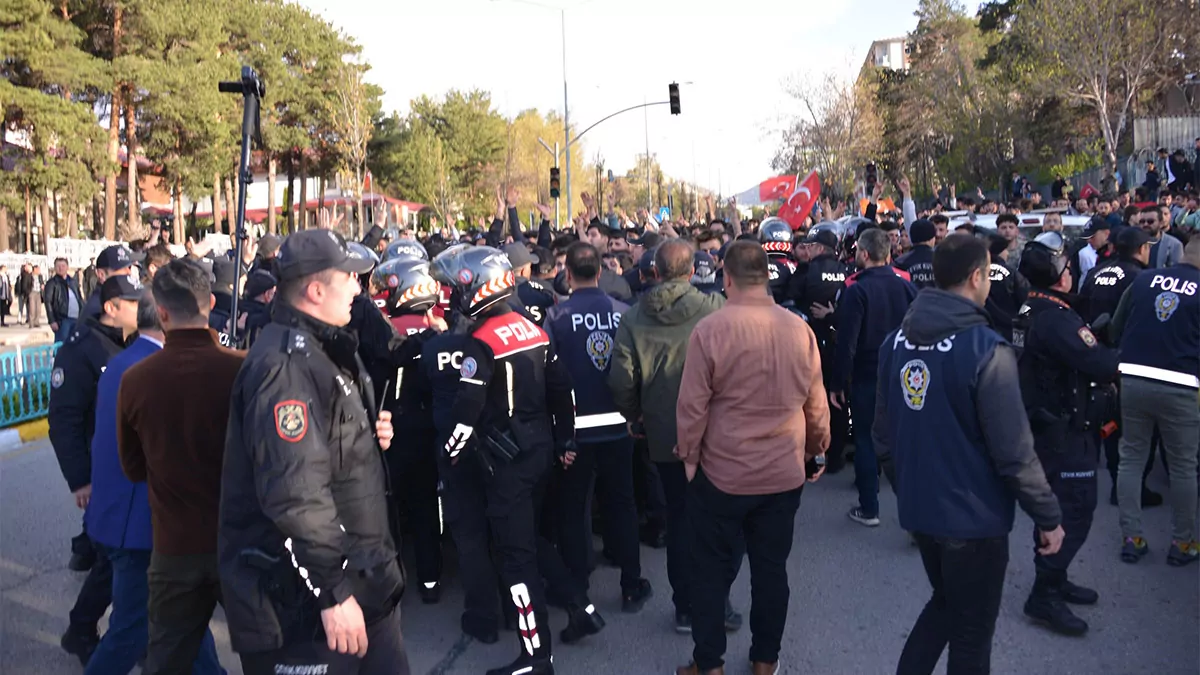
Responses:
[566,110]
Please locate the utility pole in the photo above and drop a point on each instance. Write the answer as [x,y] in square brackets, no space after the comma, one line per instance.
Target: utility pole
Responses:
[566,112]
[646,119]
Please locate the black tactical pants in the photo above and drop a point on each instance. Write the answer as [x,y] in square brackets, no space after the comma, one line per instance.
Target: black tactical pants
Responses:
[385,655]
[96,593]
[839,418]
[1070,468]
[608,465]
[414,476]
[473,503]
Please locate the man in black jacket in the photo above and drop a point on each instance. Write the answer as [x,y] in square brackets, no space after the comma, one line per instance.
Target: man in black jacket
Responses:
[304,543]
[72,417]
[63,301]
[1009,288]
[949,419]
[919,261]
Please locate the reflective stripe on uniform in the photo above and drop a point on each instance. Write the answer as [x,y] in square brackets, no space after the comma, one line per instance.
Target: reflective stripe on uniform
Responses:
[1160,374]
[599,420]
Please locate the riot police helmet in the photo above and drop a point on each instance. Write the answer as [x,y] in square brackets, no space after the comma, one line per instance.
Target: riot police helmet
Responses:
[409,284]
[479,276]
[358,250]
[1044,260]
[775,235]
[405,248]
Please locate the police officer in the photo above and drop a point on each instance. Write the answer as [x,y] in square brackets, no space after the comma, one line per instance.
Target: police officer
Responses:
[73,384]
[1065,371]
[114,261]
[513,412]
[1099,295]
[308,565]
[1158,325]
[815,293]
[410,294]
[255,308]
[705,275]
[776,237]
[377,338]
[919,261]
[583,329]
[1009,289]
[531,295]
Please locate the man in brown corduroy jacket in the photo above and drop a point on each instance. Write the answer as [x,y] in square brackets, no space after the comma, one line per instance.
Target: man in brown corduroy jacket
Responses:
[173,408]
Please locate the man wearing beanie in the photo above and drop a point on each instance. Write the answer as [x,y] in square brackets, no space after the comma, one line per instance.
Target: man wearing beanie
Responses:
[919,261]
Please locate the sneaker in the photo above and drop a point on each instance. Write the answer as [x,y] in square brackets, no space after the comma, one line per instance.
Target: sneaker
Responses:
[859,516]
[1182,553]
[633,599]
[1133,549]
[683,623]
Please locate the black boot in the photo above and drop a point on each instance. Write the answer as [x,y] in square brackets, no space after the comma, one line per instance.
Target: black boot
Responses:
[1078,595]
[80,641]
[430,595]
[526,665]
[581,622]
[1045,606]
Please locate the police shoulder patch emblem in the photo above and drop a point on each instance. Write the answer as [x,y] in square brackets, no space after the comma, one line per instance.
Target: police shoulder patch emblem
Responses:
[1087,336]
[1165,305]
[291,420]
[914,381]
[599,349]
[57,377]
[469,367]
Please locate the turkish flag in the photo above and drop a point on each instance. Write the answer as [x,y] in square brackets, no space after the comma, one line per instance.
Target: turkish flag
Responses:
[770,190]
[799,205]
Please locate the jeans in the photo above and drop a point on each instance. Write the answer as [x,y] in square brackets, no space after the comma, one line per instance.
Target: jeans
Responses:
[866,465]
[765,524]
[125,640]
[65,327]
[967,577]
[1144,404]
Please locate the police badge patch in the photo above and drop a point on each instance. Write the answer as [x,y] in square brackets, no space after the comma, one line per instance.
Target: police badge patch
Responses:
[1086,335]
[56,378]
[1165,305]
[914,379]
[599,349]
[291,420]
[469,367]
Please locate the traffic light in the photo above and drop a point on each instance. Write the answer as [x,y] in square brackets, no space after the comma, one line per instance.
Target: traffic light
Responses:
[554,182]
[673,91]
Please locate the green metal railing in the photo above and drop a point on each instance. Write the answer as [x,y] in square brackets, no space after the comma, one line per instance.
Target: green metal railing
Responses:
[25,383]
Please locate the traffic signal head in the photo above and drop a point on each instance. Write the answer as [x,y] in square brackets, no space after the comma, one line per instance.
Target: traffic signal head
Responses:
[554,183]
[673,91]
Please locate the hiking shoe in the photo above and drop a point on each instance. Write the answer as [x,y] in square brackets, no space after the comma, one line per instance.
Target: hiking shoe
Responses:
[1133,549]
[1075,594]
[859,516]
[1182,553]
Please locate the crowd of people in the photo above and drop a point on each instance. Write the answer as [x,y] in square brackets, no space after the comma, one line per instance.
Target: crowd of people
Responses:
[692,377]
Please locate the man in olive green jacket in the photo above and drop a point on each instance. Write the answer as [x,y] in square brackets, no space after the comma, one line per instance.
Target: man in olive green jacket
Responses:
[647,367]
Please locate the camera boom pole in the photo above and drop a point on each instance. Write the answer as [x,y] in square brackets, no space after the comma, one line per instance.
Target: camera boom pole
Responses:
[252,90]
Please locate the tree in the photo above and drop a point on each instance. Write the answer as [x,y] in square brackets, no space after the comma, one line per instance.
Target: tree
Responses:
[351,113]
[62,148]
[1102,55]
[835,131]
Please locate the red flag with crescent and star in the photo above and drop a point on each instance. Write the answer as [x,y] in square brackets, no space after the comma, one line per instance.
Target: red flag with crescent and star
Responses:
[770,190]
[799,204]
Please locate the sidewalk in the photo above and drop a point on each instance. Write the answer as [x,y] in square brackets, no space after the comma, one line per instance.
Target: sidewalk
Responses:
[19,335]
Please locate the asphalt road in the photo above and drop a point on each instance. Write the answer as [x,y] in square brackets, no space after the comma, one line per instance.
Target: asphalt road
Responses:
[855,594]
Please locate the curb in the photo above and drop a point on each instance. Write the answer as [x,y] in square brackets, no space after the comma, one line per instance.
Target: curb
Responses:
[16,436]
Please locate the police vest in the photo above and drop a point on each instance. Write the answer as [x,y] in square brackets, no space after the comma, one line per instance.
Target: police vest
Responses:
[584,330]
[409,324]
[780,268]
[946,485]
[1161,340]
[1104,286]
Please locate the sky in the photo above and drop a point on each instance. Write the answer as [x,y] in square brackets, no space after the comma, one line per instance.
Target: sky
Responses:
[731,59]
